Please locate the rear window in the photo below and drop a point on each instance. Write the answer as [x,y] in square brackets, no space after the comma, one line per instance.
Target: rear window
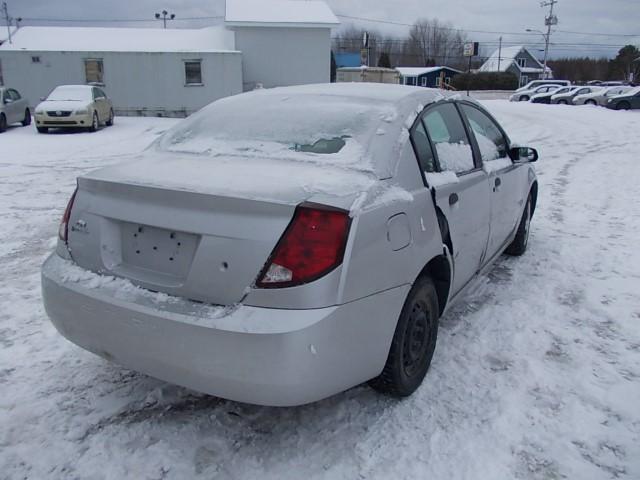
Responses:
[307,127]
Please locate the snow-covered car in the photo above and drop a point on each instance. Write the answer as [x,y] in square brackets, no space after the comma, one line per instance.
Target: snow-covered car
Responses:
[283,245]
[566,98]
[14,108]
[630,100]
[74,106]
[525,95]
[546,97]
[537,83]
[600,97]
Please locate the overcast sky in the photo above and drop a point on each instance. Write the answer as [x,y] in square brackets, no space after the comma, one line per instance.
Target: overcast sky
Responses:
[593,16]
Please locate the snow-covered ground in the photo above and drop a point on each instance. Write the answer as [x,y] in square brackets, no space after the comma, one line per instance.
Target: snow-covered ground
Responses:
[536,375]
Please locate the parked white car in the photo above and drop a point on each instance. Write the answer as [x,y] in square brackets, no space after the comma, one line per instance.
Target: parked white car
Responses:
[74,106]
[567,98]
[13,108]
[537,83]
[525,95]
[600,97]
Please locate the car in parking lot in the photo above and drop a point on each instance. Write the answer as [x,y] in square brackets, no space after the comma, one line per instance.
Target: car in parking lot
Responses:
[525,95]
[629,100]
[13,108]
[538,83]
[600,97]
[74,106]
[283,245]
[546,97]
[566,98]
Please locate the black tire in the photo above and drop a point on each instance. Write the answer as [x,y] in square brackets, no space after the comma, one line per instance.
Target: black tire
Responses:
[562,102]
[110,121]
[623,106]
[27,118]
[524,98]
[413,344]
[591,102]
[95,122]
[42,129]
[3,122]
[519,244]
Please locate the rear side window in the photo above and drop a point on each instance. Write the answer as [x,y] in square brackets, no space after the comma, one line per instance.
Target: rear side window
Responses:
[449,138]
[422,148]
[491,142]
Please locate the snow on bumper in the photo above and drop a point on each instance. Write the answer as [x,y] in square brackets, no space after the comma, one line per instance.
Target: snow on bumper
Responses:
[249,354]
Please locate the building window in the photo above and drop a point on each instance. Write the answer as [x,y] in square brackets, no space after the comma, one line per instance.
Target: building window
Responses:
[437,81]
[522,62]
[94,71]
[193,72]
[447,80]
[35,59]
[424,81]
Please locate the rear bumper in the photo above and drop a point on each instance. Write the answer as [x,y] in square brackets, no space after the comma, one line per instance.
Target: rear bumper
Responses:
[248,354]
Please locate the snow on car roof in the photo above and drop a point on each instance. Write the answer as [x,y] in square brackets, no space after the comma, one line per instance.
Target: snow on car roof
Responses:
[101,39]
[312,13]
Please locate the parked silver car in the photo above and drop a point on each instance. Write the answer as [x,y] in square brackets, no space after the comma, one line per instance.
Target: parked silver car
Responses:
[567,97]
[13,108]
[283,245]
[74,106]
[600,97]
[526,95]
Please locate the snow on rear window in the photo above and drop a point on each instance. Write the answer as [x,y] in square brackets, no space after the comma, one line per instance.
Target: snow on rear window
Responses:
[70,93]
[317,128]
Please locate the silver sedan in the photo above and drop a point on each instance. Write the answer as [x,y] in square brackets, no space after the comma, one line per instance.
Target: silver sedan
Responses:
[600,97]
[14,108]
[283,245]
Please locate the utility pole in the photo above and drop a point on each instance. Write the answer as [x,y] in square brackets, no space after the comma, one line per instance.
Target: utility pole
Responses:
[499,53]
[7,19]
[549,21]
[164,17]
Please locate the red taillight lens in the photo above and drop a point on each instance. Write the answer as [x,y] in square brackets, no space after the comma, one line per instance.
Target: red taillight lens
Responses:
[312,245]
[63,231]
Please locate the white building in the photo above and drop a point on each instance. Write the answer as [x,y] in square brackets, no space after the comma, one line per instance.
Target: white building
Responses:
[517,60]
[174,72]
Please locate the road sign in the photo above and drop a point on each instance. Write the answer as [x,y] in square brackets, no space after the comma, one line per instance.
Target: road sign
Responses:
[471,49]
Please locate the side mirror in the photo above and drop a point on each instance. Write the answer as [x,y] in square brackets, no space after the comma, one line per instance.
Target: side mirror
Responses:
[523,154]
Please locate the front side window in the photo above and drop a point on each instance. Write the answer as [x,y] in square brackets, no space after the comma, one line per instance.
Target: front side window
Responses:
[491,142]
[422,148]
[193,72]
[15,96]
[449,137]
[94,71]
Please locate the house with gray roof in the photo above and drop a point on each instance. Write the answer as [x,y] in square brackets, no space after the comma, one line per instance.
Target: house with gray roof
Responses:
[517,60]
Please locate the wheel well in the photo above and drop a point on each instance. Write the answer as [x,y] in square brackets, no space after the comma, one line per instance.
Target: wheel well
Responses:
[439,271]
[534,197]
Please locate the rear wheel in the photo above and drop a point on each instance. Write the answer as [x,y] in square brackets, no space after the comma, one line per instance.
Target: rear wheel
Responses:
[591,102]
[110,121]
[42,129]
[524,98]
[413,343]
[562,102]
[623,106]
[3,122]
[519,244]
[95,122]
[27,118]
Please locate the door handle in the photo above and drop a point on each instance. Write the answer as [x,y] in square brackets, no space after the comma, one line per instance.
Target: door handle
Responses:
[453,199]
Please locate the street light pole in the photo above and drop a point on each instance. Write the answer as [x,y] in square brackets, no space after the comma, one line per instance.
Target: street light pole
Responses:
[164,16]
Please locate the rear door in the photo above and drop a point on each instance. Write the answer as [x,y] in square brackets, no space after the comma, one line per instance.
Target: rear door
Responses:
[465,201]
[10,108]
[505,178]
[19,105]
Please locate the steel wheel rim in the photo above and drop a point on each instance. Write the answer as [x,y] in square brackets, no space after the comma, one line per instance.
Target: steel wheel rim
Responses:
[417,339]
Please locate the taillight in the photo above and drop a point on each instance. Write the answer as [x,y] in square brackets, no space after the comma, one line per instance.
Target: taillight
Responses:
[312,245]
[63,231]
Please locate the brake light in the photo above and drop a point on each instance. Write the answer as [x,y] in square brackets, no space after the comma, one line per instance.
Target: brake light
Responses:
[63,231]
[312,245]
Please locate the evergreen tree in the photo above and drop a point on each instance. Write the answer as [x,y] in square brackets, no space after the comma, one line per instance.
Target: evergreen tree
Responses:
[384,60]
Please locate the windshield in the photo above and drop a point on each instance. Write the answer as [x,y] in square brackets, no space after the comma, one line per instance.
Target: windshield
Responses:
[70,93]
[317,128]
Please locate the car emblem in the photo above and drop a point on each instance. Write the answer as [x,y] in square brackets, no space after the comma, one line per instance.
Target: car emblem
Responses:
[80,226]
[59,113]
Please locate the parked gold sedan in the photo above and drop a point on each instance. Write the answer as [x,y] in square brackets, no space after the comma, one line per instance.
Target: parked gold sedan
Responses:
[74,106]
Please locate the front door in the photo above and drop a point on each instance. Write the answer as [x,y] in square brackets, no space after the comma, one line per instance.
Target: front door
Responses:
[465,199]
[505,178]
